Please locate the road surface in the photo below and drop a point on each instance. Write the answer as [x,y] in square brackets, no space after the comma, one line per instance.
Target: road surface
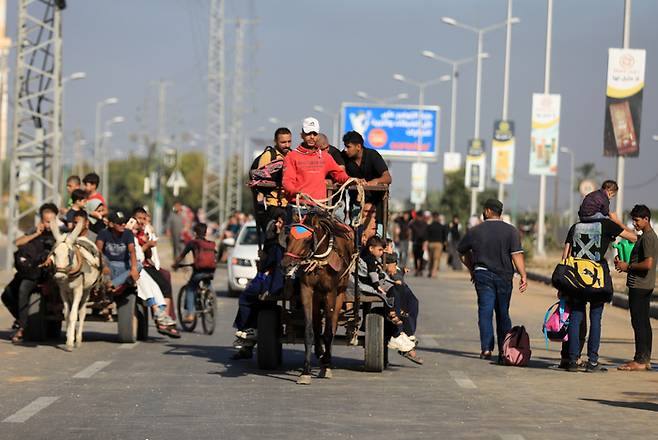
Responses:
[190,389]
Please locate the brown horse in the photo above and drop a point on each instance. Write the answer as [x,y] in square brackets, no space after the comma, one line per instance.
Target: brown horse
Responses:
[321,249]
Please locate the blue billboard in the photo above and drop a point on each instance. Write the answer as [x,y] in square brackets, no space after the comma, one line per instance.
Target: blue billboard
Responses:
[393,130]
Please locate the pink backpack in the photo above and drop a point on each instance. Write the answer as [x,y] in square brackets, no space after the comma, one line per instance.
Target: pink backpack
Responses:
[516,349]
[556,323]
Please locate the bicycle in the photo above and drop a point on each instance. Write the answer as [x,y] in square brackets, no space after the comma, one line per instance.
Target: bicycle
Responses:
[204,304]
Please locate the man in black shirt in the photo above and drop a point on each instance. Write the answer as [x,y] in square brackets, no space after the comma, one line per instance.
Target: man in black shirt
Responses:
[33,248]
[437,235]
[491,251]
[418,228]
[454,236]
[368,164]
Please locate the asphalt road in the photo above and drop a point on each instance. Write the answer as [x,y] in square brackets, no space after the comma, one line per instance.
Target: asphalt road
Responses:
[190,389]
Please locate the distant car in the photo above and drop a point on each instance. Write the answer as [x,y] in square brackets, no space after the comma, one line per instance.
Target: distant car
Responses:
[242,258]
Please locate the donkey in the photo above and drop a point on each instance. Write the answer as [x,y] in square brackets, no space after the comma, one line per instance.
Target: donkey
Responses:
[321,250]
[77,271]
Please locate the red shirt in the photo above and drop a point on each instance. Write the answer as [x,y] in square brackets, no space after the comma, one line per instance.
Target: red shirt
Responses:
[97,196]
[305,170]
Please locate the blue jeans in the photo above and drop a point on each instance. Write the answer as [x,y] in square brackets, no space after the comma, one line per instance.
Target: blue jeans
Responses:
[120,271]
[594,339]
[494,293]
[190,290]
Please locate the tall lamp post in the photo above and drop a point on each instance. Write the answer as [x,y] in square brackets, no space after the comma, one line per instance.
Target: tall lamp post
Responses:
[421,101]
[382,101]
[105,177]
[572,179]
[97,135]
[334,119]
[478,82]
[455,78]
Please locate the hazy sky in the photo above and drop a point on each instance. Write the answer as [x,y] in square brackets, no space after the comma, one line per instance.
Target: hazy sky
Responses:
[308,52]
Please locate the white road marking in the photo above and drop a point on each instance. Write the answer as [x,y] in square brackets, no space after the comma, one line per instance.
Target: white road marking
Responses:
[511,437]
[92,369]
[25,413]
[128,346]
[462,380]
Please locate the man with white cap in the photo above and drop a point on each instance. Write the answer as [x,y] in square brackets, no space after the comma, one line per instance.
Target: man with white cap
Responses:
[306,168]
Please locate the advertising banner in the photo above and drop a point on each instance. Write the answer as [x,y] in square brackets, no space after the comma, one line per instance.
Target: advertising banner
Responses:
[393,130]
[452,162]
[475,165]
[418,183]
[502,152]
[544,137]
[623,103]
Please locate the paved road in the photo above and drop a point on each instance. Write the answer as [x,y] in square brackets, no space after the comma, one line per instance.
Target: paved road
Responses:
[190,389]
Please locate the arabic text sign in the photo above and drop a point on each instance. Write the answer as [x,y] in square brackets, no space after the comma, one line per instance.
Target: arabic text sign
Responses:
[393,131]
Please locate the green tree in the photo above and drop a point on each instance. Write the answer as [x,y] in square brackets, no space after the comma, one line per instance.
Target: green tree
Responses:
[586,171]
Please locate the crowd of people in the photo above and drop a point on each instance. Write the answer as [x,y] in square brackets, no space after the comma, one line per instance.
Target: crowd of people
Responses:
[127,245]
[288,183]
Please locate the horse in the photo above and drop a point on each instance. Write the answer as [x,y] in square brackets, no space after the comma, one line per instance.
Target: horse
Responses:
[321,251]
[77,270]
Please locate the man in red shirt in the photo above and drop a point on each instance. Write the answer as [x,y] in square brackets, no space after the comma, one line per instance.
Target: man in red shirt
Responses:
[306,168]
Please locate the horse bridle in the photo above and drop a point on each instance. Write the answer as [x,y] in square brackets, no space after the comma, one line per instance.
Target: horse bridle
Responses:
[73,251]
[316,245]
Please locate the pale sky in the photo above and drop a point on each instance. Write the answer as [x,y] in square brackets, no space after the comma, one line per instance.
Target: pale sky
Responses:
[308,52]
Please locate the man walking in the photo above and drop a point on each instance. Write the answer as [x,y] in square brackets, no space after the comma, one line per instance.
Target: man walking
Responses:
[437,235]
[174,227]
[641,281]
[491,251]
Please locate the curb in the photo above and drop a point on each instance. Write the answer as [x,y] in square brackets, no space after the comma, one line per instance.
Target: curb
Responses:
[619,299]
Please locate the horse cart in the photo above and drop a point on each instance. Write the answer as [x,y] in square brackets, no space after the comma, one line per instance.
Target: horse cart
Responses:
[281,320]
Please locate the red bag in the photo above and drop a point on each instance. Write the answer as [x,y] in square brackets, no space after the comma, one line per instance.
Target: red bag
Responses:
[516,349]
[205,257]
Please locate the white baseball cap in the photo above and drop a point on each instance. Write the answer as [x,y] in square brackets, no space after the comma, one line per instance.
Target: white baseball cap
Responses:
[310,124]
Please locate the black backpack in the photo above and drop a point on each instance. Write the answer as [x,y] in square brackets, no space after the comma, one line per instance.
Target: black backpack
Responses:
[28,258]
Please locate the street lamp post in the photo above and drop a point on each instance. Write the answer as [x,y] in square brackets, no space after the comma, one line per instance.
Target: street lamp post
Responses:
[334,118]
[421,100]
[478,82]
[382,101]
[105,177]
[453,98]
[572,179]
[97,135]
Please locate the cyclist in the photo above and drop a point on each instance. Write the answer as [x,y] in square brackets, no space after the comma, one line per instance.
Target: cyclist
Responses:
[205,263]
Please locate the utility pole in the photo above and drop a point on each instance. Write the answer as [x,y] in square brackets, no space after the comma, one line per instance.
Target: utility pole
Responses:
[214,178]
[156,155]
[37,113]
[508,50]
[541,221]
[5,44]
[235,158]
[78,155]
[626,43]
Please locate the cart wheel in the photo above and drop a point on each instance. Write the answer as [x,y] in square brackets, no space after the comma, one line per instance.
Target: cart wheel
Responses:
[208,301]
[268,348]
[374,343]
[127,318]
[35,327]
[142,322]
[187,326]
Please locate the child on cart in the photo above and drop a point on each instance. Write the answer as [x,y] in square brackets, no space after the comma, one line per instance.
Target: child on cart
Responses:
[374,280]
